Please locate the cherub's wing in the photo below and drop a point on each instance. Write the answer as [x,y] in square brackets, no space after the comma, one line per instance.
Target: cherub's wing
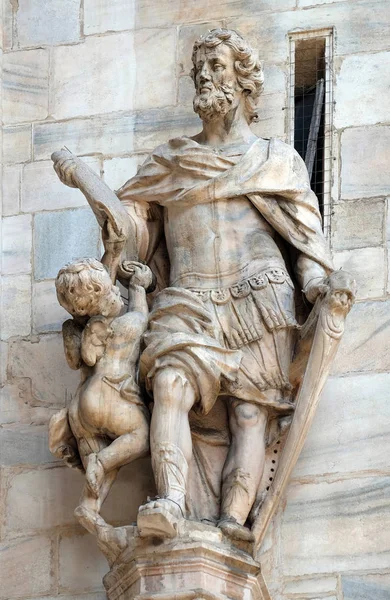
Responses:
[94,338]
[71,333]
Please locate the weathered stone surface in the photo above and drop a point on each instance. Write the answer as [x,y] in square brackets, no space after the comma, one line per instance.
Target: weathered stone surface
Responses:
[60,237]
[333,527]
[48,314]
[119,170]
[17,144]
[17,405]
[108,15]
[107,135]
[80,550]
[42,190]
[365,166]
[167,12]
[271,113]
[25,445]
[25,568]
[362,78]
[25,86]
[3,362]
[17,242]
[156,79]
[43,361]
[93,596]
[16,306]
[347,18]
[11,190]
[366,587]
[110,85]
[368,267]
[317,585]
[358,224]
[359,347]
[49,505]
[349,428]
[59,25]
[155,127]
[118,64]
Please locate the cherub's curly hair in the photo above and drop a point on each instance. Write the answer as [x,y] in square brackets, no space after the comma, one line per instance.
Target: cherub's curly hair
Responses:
[249,71]
[81,286]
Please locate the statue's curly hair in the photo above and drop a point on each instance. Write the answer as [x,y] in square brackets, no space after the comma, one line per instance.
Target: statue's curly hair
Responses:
[249,70]
[82,285]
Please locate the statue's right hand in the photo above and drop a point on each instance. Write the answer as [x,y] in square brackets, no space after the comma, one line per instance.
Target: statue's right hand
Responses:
[65,164]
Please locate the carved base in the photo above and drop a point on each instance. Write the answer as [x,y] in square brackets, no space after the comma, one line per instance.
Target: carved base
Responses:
[200,564]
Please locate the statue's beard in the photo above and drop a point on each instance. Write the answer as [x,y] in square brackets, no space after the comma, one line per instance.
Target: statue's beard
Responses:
[214,103]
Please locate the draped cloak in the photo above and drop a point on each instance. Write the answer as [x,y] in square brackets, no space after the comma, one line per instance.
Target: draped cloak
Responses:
[274,178]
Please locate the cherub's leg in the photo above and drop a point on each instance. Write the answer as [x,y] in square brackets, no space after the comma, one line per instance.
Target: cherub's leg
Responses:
[121,451]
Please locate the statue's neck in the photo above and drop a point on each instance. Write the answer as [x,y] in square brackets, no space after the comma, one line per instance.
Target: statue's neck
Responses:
[231,128]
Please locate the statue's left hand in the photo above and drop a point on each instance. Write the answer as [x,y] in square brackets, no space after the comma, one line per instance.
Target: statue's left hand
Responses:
[65,164]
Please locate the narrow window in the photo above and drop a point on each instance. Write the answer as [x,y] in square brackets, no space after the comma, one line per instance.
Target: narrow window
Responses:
[310,104]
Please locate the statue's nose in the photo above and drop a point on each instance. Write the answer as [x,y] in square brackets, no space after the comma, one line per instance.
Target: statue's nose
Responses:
[204,74]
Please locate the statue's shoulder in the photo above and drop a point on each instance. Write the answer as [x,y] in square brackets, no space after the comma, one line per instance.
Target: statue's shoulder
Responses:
[172,147]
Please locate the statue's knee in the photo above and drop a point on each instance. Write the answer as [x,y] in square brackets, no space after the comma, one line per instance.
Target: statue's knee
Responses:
[172,387]
[247,415]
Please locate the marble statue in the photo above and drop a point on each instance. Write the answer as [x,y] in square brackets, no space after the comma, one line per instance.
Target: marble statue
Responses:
[229,354]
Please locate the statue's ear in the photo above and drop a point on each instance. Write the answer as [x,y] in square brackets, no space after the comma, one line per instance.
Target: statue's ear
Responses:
[71,333]
[94,339]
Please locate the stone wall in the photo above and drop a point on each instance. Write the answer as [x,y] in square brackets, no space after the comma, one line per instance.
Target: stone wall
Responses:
[110,79]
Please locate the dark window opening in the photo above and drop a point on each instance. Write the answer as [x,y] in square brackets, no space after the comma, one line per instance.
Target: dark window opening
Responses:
[309,114]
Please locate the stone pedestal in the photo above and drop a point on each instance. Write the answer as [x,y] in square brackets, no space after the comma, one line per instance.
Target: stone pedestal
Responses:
[200,564]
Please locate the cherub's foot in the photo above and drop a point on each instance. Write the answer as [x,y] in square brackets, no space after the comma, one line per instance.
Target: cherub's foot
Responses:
[234,530]
[159,518]
[94,475]
[113,539]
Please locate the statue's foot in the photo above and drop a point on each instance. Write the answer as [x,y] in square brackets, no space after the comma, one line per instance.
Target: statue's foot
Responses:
[234,530]
[94,475]
[159,518]
[113,540]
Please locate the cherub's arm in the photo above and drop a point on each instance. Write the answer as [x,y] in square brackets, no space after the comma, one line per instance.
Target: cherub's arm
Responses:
[141,280]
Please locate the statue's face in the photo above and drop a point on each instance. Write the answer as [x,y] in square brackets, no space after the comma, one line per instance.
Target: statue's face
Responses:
[216,85]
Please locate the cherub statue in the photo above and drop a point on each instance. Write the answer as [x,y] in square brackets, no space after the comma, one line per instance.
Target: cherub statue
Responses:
[107,423]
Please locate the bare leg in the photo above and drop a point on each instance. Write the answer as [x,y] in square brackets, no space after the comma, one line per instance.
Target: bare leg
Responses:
[244,465]
[171,448]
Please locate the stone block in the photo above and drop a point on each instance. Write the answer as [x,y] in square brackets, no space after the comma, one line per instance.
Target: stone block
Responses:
[3,362]
[80,550]
[39,22]
[24,445]
[367,330]
[52,493]
[48,314]
[155,127]
[346,17]
[110,85]
[119,64]
[271,113]
[7,18]
[17,405]
[62,236]
[317,585]
[17,144]
[119,170]
[349,428]
[43,361]
[166,12]
[17,242]
[336,526]
[363,77]
[365,169]
[108,135]
[16,306]
[26,568]
[155,79]
[11,190]
[366,587]
[42,189]
[358,224]
[25,86]
[368,266]
[93,596]
[108,15]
